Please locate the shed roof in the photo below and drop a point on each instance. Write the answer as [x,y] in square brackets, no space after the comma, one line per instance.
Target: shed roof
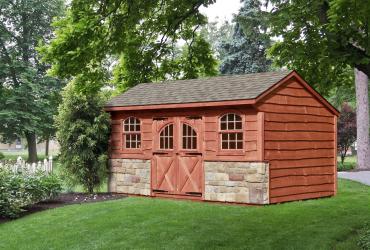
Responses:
[212,89]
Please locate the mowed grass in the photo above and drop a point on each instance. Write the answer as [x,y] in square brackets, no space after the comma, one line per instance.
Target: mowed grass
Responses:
[142,223]
[13,155]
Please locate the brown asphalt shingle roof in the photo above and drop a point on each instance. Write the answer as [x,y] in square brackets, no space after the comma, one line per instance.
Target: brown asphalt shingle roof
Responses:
[220,88]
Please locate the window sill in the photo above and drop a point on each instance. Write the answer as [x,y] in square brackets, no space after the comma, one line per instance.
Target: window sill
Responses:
[231,152]
[131,151]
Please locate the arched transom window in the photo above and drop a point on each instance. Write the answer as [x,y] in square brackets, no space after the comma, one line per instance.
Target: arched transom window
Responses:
[132,133]
[231,129]
[166,137]
[189,137]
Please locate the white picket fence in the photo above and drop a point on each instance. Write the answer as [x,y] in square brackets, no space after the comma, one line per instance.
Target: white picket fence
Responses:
[21,165]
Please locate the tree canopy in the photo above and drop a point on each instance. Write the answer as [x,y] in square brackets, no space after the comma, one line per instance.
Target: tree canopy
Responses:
[322,39]
[138,36]
[216,33]
[26,93]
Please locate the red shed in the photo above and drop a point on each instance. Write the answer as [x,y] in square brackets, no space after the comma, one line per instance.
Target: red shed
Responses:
[255,138]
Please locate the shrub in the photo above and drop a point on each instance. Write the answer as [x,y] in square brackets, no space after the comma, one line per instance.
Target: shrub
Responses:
[364,239]
[346,130]
[2,156]
[18,190]
[83,135]
[346,166]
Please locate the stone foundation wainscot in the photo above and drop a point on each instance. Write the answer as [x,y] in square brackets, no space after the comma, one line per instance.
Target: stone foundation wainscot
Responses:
[241,182]
[129,176]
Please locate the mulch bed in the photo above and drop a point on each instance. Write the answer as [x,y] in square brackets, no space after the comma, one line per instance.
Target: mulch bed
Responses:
[67,199]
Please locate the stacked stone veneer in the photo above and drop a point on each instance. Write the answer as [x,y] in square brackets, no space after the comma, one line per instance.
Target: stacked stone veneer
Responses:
[242,182]
[129,176]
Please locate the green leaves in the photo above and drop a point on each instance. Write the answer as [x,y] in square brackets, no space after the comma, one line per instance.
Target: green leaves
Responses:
[133,37]
[321,39]
[83,135]
[21,189]
[27,96]
[246,52]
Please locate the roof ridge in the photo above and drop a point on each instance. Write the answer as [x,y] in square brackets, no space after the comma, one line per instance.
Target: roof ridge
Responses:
[218,76]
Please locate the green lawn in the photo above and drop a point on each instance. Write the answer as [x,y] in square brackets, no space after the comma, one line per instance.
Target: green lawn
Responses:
[329,223]
[13,155]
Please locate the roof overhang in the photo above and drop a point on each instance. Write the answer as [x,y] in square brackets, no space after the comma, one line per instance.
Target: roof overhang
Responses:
[183,105]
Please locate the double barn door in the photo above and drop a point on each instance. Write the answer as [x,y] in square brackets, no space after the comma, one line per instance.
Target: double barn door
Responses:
[177,166]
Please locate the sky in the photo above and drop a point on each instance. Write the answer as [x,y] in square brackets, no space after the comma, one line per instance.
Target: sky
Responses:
[224,9]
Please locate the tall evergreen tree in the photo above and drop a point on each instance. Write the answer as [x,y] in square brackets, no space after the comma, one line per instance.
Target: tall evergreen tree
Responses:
[83,135]
[26,93]
[246,52]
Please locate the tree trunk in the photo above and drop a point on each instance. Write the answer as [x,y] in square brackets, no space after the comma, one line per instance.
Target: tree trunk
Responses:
[362,102]
[47,147]
[31,145]
[342,157]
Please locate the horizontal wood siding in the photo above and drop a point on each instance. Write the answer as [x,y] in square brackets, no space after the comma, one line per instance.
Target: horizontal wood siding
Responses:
[299,144]
[115,140]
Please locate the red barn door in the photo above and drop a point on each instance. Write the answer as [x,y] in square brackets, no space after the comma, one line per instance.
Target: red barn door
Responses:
[177,164]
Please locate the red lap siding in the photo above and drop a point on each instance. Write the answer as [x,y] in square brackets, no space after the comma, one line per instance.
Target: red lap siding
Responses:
[299,145]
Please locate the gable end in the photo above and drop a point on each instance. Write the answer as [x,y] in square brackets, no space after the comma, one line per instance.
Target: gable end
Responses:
[294,80]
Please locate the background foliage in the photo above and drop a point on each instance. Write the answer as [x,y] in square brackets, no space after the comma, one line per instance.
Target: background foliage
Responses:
[27,95]
[246,51]
[346,130]
[136,38]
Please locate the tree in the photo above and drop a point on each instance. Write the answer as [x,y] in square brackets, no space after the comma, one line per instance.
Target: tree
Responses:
[192,60]
[137,34]
[196,59]
[83,135]
[24,88]
[343,93]
[246,52]
[321,40]
[47,129]
[216,34]
[346,130]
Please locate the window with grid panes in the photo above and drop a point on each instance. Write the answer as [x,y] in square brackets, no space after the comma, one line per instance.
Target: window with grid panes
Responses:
[189,137]
[166,137]
[131,133]
[231,129]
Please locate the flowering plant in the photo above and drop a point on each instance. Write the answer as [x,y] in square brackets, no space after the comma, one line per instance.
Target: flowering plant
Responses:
[19,189]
